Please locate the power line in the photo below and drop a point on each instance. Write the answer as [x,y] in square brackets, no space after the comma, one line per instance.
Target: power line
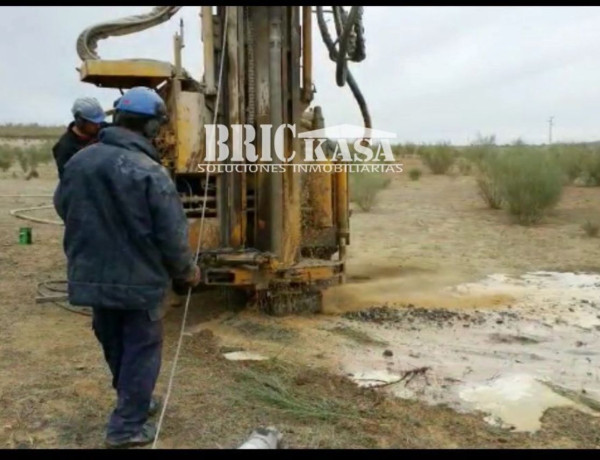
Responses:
[550,124]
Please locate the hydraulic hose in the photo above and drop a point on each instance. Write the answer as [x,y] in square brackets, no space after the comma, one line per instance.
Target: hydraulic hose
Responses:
[343,74]
[87,41]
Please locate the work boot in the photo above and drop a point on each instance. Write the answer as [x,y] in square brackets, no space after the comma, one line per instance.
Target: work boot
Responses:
[144,437]
[155,405]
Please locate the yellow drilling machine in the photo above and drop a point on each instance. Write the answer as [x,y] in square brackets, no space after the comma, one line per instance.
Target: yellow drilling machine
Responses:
[276,237]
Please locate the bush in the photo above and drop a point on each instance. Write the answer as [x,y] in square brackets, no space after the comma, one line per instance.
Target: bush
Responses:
[23,160]
[489,170]
[590,228]
[480,150]
[590,166]
[364,188]
[28,157]
[404,150]
[464,166]
[530,183]
[489,191]
[398,150]
[439,158]
[7,157]
[571,159]
[415,174]
[30,131]
[5,163]
[580,163]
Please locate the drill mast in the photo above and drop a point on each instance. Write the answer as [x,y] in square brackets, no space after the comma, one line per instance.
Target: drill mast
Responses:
[264,232]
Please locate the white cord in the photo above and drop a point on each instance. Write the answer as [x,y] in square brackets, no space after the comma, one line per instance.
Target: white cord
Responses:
[198,247]
[17,213]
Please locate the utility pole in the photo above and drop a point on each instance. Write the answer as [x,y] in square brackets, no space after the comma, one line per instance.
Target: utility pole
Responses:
[550,124]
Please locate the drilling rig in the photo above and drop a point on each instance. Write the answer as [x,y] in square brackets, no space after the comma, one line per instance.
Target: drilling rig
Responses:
[276,237]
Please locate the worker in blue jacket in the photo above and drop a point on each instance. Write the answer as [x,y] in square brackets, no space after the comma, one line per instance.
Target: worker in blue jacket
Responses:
[126,239]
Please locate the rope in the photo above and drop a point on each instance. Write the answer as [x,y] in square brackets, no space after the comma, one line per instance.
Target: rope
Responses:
[198,247]
[16,213]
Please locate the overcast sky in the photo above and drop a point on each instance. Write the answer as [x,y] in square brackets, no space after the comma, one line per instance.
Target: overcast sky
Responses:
[431,73]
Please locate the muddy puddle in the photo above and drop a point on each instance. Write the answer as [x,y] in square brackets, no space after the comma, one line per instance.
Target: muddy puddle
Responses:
[538,349]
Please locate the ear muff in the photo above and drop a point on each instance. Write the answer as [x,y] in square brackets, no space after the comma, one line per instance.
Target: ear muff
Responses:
[161,113]
[117,117]
[152,127]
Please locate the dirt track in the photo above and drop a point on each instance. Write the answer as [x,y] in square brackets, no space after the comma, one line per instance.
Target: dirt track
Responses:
[423,236]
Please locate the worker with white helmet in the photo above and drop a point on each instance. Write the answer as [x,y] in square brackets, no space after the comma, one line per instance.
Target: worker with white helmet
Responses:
[88,119]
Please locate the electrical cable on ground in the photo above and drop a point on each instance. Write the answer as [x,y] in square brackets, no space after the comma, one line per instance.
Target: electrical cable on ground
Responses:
[48,286]
[198,246]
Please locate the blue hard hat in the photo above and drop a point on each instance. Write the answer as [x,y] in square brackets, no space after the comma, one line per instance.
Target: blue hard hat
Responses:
[142,101]
[89,109]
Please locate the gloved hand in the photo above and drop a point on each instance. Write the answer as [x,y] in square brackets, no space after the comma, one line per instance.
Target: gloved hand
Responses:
[181,286]
[195,278]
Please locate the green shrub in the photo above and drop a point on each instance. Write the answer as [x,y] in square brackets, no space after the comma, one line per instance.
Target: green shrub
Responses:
[580,163]
[530,183]
[488,179]
[589,166]
[5,163]
[404,150]
[480,149]
[464,166]
[439,158]
[41,154]
[489,191]
[571,159]
[398,150]
[415,174]
[7,157]
[28,157]
[30,131]
[23,160]
[364,188]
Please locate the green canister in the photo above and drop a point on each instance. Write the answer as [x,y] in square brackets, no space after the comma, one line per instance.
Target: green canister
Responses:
[25,235]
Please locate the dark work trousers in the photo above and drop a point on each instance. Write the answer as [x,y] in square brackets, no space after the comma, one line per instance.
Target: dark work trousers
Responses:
[132,344]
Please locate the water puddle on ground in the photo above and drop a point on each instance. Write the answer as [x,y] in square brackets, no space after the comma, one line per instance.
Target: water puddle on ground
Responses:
[515,401]
[504,361]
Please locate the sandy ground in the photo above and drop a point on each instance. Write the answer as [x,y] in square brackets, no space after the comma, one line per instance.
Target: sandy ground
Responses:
[421,239]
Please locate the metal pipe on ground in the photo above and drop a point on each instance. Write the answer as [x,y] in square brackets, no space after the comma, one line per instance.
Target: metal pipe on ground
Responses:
[263,438]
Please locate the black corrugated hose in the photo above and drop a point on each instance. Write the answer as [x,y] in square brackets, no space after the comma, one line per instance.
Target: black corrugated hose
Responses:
[351,47]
